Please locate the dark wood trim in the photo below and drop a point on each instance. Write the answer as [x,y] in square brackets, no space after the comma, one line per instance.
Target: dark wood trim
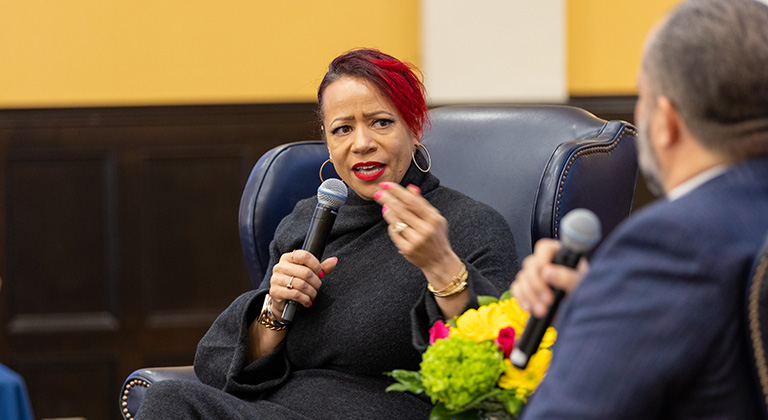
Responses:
[619,107]
[607,107]
[226,114]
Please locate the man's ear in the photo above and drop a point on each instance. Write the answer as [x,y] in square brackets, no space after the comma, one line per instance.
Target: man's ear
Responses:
[667,123]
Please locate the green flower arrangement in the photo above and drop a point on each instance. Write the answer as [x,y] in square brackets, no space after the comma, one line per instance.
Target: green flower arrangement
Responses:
[475,369]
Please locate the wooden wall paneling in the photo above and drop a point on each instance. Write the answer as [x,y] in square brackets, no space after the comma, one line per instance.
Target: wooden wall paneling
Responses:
[607,107]
[118,238]
[79,386]
[61,270]
[190,251]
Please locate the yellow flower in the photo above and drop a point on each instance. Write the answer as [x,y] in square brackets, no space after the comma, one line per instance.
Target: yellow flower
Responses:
[520,317]
[514,312]
[529,378]
[483,323]
[549,338]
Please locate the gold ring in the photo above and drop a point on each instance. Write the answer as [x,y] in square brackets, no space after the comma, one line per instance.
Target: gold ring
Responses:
[399,227]
[289,286]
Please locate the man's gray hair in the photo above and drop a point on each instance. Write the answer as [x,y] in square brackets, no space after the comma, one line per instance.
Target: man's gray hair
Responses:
[710,58]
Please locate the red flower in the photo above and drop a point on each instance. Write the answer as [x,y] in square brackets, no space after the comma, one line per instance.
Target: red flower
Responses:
[438,331]
[506,340]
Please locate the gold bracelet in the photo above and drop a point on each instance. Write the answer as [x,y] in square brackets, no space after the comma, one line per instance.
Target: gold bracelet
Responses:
[267,319]
[457,285]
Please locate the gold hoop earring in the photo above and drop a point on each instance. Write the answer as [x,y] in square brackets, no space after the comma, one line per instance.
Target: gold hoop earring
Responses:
[429,159]
[321,169]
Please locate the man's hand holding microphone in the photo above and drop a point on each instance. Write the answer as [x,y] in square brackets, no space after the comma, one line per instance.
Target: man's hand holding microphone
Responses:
[554,269]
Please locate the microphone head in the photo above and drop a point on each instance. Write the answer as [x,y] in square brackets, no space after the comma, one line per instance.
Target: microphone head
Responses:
[580,230]
[332,193]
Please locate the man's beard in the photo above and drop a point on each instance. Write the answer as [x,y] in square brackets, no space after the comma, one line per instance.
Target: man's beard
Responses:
[647,161]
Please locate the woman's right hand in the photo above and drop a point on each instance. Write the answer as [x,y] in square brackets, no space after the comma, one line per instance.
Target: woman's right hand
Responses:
[297,277]
[303,272]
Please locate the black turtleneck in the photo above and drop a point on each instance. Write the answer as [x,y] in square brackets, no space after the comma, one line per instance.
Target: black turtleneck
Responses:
[372,313]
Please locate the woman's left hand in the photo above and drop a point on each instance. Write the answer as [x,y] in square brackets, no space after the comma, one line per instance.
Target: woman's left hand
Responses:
[417,229]
[420,233]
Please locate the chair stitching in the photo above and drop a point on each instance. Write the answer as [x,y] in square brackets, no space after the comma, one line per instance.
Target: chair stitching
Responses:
[586,151]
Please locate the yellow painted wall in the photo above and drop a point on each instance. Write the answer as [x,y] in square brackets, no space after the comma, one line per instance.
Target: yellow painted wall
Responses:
[144,52]
[148,52]
[605,40]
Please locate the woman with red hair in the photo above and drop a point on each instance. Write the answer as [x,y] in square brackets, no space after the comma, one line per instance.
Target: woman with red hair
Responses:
[405,253]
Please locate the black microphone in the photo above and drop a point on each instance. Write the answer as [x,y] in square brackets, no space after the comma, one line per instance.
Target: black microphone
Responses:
[580,231]
[331,195]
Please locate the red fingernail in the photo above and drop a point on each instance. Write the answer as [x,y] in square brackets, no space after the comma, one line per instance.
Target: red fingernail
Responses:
[385,185]
[384,208]
[418,190]
[321,274]
[310,303]
[377,194]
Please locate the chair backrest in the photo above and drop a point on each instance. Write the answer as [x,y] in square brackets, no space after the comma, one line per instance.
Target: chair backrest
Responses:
[533,164]
[757,322]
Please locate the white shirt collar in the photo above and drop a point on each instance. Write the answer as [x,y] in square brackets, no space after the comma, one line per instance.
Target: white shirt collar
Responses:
[695,182]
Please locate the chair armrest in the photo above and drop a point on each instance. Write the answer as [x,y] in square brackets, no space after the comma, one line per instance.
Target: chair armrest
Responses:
[136,385]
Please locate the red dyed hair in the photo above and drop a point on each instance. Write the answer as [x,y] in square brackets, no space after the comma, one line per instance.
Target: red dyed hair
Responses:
[395,79]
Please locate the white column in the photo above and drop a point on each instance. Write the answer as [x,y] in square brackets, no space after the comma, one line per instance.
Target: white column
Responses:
[491,51]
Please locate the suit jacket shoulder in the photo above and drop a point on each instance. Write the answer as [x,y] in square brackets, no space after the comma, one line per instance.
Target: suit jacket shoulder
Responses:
[656,330]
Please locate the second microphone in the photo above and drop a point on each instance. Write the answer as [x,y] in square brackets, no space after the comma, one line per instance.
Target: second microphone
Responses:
[580,232]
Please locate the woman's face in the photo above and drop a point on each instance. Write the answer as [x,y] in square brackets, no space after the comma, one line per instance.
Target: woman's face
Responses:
[367,139]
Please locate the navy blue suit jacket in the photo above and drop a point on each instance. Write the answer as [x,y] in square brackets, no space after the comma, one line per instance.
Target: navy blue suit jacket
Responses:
[656,329]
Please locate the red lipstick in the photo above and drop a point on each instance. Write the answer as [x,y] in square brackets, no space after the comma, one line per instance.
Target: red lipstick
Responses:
[368,171]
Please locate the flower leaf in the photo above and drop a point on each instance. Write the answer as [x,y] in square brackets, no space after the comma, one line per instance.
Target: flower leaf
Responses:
[511,401]
[439,412]
[404,388]
[486,300]
[407,380]
[506,295]
[482,401]
[496,405]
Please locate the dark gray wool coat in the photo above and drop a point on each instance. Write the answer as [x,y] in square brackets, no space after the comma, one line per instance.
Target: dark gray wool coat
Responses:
[372,315]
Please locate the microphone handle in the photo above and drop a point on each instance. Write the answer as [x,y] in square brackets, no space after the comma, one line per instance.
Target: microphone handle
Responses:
[534,332]
[317,237]
[535,328]
[319,229]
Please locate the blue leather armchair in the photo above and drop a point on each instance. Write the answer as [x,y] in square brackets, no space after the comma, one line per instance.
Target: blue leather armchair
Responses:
[531,163]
